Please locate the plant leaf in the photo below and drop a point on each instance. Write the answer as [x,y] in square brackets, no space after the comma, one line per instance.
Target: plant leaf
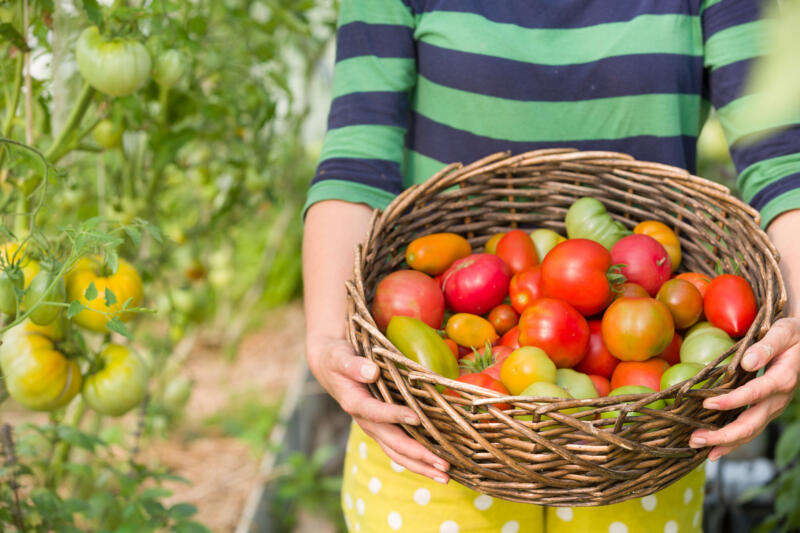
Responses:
[116,325]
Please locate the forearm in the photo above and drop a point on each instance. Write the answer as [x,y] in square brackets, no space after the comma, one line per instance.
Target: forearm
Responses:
[783,231]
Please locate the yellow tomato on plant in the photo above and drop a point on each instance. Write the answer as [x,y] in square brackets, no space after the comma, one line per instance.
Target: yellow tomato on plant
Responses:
[119,385]
[125,284]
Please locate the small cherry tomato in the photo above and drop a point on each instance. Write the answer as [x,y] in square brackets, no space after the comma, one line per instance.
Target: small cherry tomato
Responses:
[672,353]
[630,290]
[433,254]
[525,288]
[480,379]
[730,304]
[598,360]
[516,249]
[636,329]
[503,317]
[470,330]
[557,328]
[700,281]
[644,373]
[602,384]
[683,300]
[664,235]
[491,245]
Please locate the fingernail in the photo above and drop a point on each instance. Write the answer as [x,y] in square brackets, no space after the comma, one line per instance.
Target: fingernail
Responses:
[441,480]
[410,420]
[749,361]
[697,442]
[713,457]
[711,404]
[440,466]
[369,371]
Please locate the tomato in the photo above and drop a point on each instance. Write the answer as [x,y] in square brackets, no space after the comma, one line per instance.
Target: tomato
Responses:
[587,218]
[672,353]
[36,294]
[117,67]
[664,235]
[499,355]
[704,343]
[119,385]
[503,317]
[632,389]
[544,240]
[453,347]
[601,384]
[525,288]
[510,338]
[491,245]
[647,373]
[700,281]
[421,343]
[12,282]
[684,301]
[470,330]
[557,328]
[678,374]
[630,290]
[482,380]
[524,366]
[125,284]
[644,261]
[636,329]
[543,389]
[408,293]
[36,374]
[15,255]
[598,360]
[433,254]
[169,67]
[576,271]
[577,384]
[177,393]
[107,134]
[730,304]
[476,283]
[516,249]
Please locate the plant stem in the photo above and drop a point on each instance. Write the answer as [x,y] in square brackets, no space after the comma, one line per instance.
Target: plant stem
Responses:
[62,449]
[28,85]
[11,112]
[58,149]
[11,461]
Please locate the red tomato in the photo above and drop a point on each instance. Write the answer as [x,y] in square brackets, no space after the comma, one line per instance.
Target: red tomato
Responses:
[700,281]
[672,353]
[602,384]
[598,360]
[730,304]
[517,250]
[631,290]
[645,373]
[453,347]
[575,271]
[525,287]
[511,338]
[408,293]
[503,317]
[636,329]
[557,328]
[499,354]
[644,259]
[482,380]
[684,301]
[476,283]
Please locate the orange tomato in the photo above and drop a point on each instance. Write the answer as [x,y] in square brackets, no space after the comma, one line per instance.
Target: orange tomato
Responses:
[664,235]
[470,330]
[491,245]
[644,373]
[434,253]
[700,281]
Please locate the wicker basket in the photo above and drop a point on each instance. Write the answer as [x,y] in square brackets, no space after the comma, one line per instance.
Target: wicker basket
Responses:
[562,460]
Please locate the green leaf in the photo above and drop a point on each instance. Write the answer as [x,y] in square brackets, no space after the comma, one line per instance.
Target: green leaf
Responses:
[94,13]
[110,298]
[112,260]
[191,527]
[182,511]
[116,325]
[788,447]
[8,31]
[91,292]
[74,308]
[155,493]
[134,234]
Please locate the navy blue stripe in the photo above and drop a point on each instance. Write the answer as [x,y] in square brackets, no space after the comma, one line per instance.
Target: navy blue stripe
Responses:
[447,144]
[379,108]
[775,189]
[377,173]
[382,40]
[729,13]
[561,13]
[782,142]
[614,76]
[728,83]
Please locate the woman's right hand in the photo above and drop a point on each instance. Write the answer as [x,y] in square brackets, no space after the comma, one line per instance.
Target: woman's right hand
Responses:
[343,374]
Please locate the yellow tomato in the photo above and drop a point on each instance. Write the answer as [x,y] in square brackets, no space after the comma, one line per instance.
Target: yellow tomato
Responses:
[491,245]
[125,284]
[664,235]
[470,330]
[434,253]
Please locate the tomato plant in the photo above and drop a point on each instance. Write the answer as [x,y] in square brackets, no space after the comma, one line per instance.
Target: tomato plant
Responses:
[486,382]
[491,245]
[704,343]
[700,281]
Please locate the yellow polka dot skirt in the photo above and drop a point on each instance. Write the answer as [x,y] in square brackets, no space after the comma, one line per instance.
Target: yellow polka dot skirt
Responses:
[379,495]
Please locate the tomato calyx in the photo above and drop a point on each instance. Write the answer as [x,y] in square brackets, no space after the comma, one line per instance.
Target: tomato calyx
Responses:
[480,360]
[616,277]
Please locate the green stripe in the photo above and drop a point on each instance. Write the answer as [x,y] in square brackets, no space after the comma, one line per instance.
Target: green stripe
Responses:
[735,44]
[738,120]
[707,4]
[349,192]
[375,12]
[365,141]
[561,46]
[420,167]
[760,174]
[785,202]
[370,73]
[662,115]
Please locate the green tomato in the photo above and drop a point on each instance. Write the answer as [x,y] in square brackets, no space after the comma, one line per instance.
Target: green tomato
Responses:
[12,280]
[632,389]
[117,67]
[587,218]
[704,344]
[544,240]
[679,373]
[107,134]
[42,313]
[121,383]
[177,393]
[578,384]
[170,66]
[544,389]
[421,343]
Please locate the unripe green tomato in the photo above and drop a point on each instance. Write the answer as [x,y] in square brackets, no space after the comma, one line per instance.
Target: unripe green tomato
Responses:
[117,67]
[177,393]
[121,383]
[10,279]
[107,134]
[43,314]
[170,66]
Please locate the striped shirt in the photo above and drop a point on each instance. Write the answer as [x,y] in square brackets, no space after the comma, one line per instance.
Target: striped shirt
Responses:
[422,83]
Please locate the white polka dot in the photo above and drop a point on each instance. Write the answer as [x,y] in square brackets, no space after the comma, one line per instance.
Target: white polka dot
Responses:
[617,527]
[448,527]
[671,527]
[422,496]
[354,469]
[347,523]
[348,500]
[696,519]
[374,485]
[688,495]
[362,450]
[483,502]
[564,513]
[396,467]
[358,526]
[360,506]
[395,520]
[512,526]
[649,502]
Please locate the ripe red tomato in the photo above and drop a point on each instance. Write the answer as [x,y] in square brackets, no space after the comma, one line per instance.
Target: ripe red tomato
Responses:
[476,283]
[503,317]
[602,384]
[644,260]
[499,354]
[557,328]
[482,380]
[511,338]
[636,329]
[700,281]
[672,353]
[576,271]
[684,301]
[525,287]
[516,249]
[408,293]
[630,290]
[598,360]
[644,373]
[730,304]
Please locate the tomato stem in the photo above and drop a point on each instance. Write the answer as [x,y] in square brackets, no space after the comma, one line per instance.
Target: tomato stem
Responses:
[12,108]
[58,149]
[62,448]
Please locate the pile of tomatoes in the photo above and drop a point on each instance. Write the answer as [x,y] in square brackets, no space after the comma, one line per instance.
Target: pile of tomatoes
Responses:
[601,313]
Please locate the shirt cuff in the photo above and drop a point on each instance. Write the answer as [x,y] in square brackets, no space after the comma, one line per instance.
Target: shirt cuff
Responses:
[347,191]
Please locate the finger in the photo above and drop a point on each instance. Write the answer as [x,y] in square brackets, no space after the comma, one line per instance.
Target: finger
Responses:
[780,378]
[415,466]
[719,451]
[392,437]
[746,426]
[356,400]
[783,334]
[357,368]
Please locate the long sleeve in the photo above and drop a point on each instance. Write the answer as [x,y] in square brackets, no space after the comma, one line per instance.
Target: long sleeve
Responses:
[374,74]
[768,168]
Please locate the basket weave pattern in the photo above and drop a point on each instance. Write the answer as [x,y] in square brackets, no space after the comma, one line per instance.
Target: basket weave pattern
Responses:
[563,459]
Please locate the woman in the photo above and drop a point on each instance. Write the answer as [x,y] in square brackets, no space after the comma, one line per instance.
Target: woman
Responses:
[422,83]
